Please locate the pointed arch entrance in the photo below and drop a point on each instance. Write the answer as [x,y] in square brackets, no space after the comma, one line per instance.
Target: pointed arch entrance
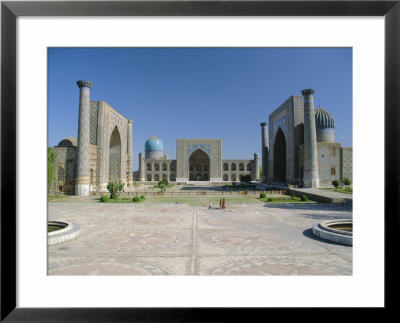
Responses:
[199,166]
[114,161]
[280,156]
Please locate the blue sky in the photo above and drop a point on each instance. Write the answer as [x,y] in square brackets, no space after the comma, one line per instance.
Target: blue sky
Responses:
[198,92]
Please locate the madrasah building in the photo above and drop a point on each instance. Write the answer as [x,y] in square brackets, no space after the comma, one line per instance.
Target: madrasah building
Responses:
[197,160]
[297,149]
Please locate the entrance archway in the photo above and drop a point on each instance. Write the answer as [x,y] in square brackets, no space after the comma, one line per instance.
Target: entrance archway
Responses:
[114,162]
[280,156]
[199,166]
[60,179]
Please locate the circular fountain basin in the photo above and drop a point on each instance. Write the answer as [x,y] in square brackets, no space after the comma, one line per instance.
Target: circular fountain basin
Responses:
[59,231]
[338,231]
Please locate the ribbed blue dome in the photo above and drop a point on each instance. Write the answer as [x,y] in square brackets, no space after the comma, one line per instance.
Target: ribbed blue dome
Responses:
[153,143]
[323,119]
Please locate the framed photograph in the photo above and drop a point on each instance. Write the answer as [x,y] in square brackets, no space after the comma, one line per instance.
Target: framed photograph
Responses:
[55,54]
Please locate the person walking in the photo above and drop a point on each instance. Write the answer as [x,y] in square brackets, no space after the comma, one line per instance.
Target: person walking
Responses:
[223,204]
[220,203]
[209,205]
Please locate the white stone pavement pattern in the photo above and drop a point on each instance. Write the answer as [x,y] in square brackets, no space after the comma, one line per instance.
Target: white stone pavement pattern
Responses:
[187,240]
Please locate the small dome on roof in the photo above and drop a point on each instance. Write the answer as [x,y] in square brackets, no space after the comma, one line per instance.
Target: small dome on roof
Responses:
[153,143]
[323,119]
[68,142]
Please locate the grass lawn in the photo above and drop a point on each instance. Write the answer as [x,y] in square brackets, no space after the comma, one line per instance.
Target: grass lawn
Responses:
[341,190]
[285,199]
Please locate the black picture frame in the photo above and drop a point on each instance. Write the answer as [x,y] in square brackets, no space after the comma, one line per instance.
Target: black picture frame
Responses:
[10,10]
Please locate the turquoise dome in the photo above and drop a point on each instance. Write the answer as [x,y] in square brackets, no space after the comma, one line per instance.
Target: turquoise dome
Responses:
[153,144]
[323,119]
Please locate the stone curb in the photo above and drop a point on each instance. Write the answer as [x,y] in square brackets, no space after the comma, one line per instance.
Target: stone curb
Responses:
[71,231]
[319,232]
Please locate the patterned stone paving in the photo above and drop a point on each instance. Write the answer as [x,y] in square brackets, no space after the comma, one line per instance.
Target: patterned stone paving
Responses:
[188,240]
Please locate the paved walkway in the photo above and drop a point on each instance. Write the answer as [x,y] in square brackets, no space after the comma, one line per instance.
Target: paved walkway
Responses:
[188,240]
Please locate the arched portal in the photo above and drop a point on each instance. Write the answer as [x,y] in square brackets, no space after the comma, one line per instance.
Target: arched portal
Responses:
[114,162]
[60,179]
[280,156]
[199,166]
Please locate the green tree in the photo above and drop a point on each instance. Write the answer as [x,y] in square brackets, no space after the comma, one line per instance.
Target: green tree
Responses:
[346,181]
[335,183]
[163,183]
[114,188]
[245,178]
[51,172]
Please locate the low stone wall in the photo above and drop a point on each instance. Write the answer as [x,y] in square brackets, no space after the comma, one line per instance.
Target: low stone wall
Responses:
[199,192]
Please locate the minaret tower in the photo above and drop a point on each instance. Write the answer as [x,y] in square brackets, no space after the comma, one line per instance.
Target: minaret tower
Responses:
[311,177]
[82,176]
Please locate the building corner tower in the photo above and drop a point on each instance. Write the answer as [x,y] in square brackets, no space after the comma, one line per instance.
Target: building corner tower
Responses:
[311,177]
[264,151]
[130,155]
[82,176]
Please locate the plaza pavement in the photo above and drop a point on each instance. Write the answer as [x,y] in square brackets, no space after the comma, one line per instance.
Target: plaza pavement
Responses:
[140,239]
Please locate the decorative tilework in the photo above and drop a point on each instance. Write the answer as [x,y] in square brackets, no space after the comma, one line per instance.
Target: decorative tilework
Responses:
[281,122]
[93,122]
[205,147]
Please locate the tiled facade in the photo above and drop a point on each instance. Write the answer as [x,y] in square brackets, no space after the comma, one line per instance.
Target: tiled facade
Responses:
[208,167]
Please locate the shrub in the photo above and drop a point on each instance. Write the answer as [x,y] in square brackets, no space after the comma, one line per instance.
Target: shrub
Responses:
[346,181]
[136,199]
[163,182]
[304,198]
[246,178]
[335,183]
[270,199]
[142,197]
[114,188]
[114,196]
[293,197]
[104,199]
[263,195]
